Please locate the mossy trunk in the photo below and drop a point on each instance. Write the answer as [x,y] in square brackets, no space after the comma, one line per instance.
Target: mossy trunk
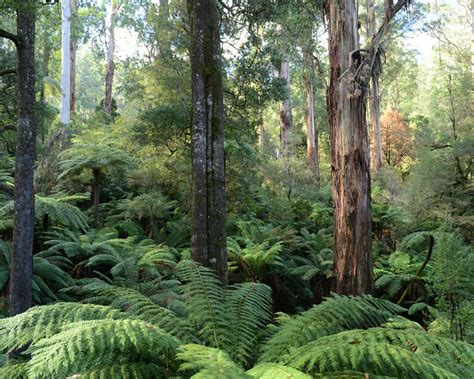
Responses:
[21,268]
[208,178]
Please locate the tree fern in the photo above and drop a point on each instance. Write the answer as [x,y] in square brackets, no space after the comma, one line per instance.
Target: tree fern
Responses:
[47,320]
[373,352]
[209,363]
[141,307]
[274,371]
[248,310]
[204,300]
[212,363]
[333,315]
[87,345]
[129,370]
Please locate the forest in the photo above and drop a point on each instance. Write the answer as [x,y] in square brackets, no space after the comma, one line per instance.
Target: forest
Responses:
[236,189]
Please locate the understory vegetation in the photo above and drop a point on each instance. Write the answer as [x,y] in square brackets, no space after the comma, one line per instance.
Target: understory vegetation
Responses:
[117,288]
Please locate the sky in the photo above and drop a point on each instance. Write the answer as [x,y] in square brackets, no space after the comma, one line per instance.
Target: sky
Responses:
[128,46]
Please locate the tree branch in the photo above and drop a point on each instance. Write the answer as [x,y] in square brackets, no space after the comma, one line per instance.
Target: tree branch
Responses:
[12,37]
[8,71]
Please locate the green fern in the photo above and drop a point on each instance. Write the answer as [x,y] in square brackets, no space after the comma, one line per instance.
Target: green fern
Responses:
[204,301]
[84,346]
[410,353]
[333,315]
[209,363]
[274,371]
[248,310]
[212,363]
[141,307]
[47,320]
[129,370]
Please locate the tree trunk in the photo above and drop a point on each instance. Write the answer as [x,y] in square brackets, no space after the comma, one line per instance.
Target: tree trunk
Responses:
[66,62]
[109,77]
[286,114]
[21,267]
[375,99]
[208,178]
[349,155]
[312,147]
[73,55]
[96,191]
[164,10]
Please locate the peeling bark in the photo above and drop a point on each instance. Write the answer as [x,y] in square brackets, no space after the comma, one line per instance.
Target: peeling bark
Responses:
[312,147]
[286,114]
[349,155]
[375,99]
[109,76]
[21,268]
[208,178]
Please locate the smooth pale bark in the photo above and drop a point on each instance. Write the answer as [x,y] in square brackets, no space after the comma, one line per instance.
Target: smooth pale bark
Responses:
[472,38]
[375,98]
[286,114]
[109,76]
[65,62]
[353,266]
[73,54]
[312,147]
[208,178]
[21,266]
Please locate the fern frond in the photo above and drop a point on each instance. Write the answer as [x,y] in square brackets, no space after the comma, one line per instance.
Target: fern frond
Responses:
[248,309]
[204,301]
[86,345]
[47,320]
[14,371]
[127,370]
[209,363]
[274,371]
[371,358]
[141,307]
[335,314]
[410,353]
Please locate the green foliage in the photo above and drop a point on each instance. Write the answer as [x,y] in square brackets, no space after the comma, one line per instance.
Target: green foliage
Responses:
[335,314]
[70,351]
[46,320]
[408,352]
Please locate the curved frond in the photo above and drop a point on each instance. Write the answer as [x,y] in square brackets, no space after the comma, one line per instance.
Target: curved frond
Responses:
[209,363]
[248,309]
[125,371]
[204,301]
[410,353]
[335,314]
[141,307]
[47,320]
[273,371]
[86,345]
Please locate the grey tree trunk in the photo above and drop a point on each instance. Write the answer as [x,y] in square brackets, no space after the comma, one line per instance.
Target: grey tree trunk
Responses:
[349,155]
[208,177]
[286,114]
[109,76]
[73,54]
[312,147]
[24,220]
[65,62]
[375,98]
